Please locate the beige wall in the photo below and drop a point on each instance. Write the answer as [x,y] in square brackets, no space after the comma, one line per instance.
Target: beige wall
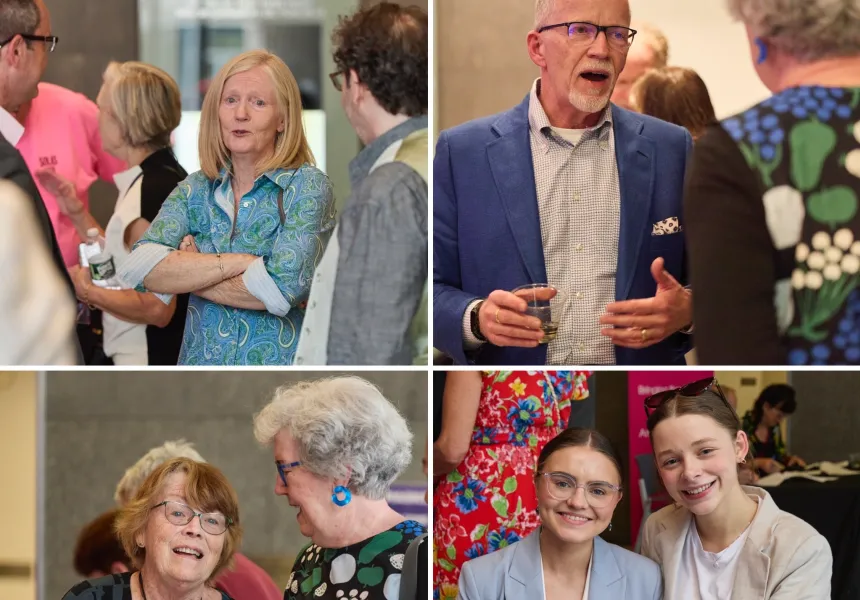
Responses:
[18,476]
[482,66]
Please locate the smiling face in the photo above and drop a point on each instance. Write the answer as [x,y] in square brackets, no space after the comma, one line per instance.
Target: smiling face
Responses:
[181,553]
[698,460]
[309,493]
[575,520]
[249,116]
[580,74]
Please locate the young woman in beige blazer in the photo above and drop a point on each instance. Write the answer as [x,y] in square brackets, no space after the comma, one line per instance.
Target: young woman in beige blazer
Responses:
[721,540]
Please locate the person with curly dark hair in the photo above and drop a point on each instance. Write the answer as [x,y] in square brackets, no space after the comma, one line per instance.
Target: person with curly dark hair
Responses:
[369,295]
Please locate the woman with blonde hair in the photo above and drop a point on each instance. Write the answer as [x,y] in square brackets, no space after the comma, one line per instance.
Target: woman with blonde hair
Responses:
[180,531]
[244,234]
[677,95]
[139,106]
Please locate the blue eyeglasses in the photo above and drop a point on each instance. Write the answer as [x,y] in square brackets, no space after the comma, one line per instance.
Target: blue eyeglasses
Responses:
[284,469]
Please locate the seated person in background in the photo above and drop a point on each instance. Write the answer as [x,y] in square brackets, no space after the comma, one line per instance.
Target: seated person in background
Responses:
[244,580]
[762,426]
[180,530]
[244,234]
[98,551]
[650,50]
[676,95]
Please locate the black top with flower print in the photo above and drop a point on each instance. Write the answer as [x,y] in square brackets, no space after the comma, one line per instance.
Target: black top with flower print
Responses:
[771,210]
[109,587]
[369,569]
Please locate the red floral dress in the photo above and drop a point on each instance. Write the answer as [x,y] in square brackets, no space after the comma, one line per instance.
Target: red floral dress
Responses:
[489,502]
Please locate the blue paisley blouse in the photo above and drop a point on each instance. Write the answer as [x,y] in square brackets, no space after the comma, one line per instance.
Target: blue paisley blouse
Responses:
[289,247]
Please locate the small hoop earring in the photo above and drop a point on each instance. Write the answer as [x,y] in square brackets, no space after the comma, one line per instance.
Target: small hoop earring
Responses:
[762,50]
[347,496]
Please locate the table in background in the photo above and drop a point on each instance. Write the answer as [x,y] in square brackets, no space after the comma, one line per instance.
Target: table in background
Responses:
[833,509]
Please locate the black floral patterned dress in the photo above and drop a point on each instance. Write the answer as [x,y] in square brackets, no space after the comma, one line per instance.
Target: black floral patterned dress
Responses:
[771,212]
[370,569]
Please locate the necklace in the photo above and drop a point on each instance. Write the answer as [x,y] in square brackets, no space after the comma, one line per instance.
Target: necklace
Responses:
[142,588]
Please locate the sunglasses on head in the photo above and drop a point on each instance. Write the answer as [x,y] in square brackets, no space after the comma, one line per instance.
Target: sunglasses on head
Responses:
[691,390]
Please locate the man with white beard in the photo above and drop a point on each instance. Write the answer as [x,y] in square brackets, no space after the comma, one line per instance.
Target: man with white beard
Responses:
[568,190]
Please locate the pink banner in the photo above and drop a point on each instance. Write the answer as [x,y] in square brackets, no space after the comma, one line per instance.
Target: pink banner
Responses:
[640,385]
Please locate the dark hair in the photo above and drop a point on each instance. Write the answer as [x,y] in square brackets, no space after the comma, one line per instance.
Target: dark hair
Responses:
[779,395]
[98,546]
[18,17]
[578,437]
[676,95]
[386,45]
[707,404]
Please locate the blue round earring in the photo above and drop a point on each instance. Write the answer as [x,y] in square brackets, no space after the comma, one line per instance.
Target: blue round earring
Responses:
[347,496]
[762,50]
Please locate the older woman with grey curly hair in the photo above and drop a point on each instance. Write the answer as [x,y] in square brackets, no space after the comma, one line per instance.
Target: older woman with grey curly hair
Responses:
[339,444]
[771,204]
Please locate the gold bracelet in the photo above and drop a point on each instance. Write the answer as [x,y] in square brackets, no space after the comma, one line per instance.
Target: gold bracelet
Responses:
[220,265]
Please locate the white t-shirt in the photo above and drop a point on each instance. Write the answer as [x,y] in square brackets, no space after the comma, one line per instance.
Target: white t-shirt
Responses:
[704,575]
[587,578]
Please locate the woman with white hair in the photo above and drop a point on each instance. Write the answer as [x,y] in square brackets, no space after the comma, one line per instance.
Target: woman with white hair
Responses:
[771,205]
[338,446]
[245,233]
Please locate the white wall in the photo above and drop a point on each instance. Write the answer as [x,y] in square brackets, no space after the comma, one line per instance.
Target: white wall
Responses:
[703,36]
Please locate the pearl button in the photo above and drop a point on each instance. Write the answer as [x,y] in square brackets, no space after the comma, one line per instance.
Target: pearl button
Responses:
[603,145]
[579,294]
[579,247]
[246,204]
[576,197]
[582,347]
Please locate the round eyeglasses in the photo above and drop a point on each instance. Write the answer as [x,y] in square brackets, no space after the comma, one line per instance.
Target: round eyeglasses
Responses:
[617,36]
[181,514]
[562,486]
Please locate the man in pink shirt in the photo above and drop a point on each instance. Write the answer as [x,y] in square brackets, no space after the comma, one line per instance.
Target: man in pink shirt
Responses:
[61,132]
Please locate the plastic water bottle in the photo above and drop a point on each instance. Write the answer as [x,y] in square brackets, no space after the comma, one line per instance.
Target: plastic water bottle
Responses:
[93,256]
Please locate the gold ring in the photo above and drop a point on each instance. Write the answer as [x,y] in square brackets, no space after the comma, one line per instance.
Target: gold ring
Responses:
[644,334]
[497,315]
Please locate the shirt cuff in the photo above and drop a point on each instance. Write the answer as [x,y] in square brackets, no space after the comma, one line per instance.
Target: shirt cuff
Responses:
[261,285]
[140,263]
[470,342]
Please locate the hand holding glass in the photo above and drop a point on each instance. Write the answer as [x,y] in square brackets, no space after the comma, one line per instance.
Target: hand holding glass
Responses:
[546,303]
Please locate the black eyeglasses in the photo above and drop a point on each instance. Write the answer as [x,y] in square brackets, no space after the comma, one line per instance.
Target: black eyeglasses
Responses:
[583,32]
[697,388]
[336,79]
[48,39]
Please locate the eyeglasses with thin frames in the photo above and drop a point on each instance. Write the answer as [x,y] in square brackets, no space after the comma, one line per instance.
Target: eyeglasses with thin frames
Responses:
[181,514]
[691,390]
[284,469]
[617,36]
[337,80]
[562,486]
[52,40]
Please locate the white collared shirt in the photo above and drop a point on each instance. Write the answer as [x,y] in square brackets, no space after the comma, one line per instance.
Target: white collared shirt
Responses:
[10,128]
[587,578]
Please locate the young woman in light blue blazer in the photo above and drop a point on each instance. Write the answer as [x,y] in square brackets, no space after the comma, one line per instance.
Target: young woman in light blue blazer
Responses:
[578,485]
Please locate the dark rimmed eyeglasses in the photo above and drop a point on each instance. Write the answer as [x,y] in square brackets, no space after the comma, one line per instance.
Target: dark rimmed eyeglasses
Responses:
[52,40]
[337,80]
[691,390]
[284,469]
[181,514]
[584,32]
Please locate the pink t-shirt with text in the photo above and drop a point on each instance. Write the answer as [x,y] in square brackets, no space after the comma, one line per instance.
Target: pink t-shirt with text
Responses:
[62,131]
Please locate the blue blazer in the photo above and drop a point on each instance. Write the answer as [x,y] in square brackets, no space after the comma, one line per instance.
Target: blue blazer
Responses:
[514,573]
[486,228]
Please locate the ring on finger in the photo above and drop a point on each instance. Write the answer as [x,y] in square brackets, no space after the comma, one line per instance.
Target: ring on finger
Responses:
[497,315]
[644,334]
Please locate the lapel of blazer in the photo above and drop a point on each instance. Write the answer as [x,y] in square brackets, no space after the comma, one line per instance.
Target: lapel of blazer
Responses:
[672,529]
[510,159]
[524,580]
[607,579]
[754,558]
[634,154]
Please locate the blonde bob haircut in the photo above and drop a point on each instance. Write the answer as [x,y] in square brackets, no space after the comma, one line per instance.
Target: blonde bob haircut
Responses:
[291,146]
[206,490]
[144,100]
